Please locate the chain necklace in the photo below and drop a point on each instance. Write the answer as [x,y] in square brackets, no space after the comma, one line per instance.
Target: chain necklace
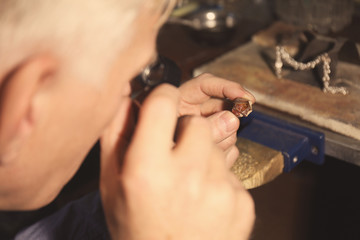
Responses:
[282,55]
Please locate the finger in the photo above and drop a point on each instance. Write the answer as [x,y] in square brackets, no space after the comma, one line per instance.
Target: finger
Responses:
[228,142]
[206,85]
[245,208]
[199,155]
[114,141]
[121,126]
[223,125]
[194,138]
[214,105]
[195,147]
[156,123]
[218,169]
[222,88]
[231,156]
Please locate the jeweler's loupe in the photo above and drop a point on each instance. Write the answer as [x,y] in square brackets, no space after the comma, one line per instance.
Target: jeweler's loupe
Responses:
[163,70]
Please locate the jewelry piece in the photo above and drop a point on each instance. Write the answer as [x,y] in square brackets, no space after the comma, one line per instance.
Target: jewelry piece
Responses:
[241,107]
[282,55]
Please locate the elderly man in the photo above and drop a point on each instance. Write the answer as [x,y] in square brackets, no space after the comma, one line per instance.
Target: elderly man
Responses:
[65,69]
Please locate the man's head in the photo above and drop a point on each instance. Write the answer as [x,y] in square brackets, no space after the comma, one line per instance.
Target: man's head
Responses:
[64,67]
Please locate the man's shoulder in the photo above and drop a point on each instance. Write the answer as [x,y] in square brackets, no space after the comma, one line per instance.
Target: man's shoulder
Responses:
[80,219]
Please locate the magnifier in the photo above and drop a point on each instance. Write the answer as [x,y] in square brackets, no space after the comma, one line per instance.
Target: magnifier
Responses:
[163,70]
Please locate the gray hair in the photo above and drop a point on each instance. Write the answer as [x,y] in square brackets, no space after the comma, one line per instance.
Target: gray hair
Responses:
[85,35]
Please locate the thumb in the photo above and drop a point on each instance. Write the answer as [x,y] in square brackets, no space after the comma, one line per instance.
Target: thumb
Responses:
[223,125]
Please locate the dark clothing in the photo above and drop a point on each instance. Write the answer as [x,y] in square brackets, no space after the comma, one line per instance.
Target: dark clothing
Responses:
[80,219]
[11,222]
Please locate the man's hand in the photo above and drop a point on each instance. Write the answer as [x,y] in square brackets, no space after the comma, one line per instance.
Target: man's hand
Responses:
[206,96]
[158,190]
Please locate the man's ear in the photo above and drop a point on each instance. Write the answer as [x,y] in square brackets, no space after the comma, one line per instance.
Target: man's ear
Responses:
[17,91]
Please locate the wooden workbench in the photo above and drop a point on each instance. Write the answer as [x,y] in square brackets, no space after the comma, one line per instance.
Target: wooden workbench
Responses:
[175,43]
[246,65]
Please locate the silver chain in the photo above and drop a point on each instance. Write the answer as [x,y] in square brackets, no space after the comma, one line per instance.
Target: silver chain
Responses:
[282,55]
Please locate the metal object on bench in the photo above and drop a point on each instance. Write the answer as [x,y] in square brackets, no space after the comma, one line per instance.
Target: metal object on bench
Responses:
[324,59]
[212,19]
[210,24]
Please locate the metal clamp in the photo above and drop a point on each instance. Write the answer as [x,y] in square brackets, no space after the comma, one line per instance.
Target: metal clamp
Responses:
[295,142]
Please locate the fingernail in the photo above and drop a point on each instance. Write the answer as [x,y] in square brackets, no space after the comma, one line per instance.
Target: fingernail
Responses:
[230,121]
[249,96]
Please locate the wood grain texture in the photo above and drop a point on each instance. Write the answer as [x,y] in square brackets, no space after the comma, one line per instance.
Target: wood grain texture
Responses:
[257,164]
[246,65]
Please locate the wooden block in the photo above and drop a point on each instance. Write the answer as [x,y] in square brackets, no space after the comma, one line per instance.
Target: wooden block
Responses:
[257,164]
[336,112]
